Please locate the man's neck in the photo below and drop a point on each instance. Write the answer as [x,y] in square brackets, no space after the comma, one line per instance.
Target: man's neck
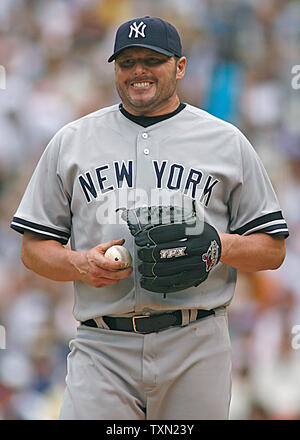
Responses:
[146,121]
[167,108]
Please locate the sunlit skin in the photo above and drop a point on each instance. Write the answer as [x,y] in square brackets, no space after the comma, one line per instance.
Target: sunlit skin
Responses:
[147,81]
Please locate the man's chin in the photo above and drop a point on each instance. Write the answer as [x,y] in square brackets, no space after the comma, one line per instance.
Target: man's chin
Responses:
[142,103]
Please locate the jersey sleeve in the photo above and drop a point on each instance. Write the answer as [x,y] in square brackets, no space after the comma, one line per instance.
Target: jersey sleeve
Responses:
[254,206]
[45,205]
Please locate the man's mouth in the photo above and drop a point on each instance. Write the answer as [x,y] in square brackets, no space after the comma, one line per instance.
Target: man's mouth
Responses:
[141,84]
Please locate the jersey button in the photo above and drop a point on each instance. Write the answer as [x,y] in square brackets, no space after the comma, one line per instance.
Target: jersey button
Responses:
[144,135]
[146,151]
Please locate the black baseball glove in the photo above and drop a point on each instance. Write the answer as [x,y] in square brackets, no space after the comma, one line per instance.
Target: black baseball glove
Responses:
[176,251]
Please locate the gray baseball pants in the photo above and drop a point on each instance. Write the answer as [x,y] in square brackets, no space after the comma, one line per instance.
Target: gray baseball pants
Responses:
[181,373]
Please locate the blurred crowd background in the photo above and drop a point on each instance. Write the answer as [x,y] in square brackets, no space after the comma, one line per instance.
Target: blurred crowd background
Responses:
[240,59]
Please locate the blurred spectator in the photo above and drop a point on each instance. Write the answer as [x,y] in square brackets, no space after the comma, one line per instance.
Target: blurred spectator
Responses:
[240,55]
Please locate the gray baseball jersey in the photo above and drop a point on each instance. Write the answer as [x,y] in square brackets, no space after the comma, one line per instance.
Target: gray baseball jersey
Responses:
[105,161]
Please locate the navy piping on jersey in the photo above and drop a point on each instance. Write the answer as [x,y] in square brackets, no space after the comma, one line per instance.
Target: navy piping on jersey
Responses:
[273,224]
[21,225]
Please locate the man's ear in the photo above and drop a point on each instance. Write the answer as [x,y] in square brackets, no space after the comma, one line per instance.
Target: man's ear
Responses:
[180,67]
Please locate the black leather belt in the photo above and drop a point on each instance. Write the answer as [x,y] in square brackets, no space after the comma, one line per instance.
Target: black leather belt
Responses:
[146,323]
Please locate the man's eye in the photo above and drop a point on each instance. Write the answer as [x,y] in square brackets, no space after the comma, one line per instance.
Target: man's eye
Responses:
[152,61]
[126,63]
[148,62]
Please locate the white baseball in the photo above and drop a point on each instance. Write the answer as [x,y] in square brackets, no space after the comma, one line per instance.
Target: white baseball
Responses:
[119,253]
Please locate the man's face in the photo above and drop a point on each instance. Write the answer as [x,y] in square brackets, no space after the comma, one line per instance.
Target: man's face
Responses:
[146,80]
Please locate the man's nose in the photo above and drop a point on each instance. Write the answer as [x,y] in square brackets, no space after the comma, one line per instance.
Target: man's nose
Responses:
[140,68]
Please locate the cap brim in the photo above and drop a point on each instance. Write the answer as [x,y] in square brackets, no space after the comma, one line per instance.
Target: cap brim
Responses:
[155,48]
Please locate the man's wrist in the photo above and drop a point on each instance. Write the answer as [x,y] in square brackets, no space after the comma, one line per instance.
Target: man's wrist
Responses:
[78,262]
[227,241]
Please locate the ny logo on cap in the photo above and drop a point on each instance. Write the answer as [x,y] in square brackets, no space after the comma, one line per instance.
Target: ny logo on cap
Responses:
[136,28]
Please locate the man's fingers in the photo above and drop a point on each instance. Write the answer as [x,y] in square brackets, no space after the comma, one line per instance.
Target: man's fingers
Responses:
[102,282]
[101,267]
[101,278]
[112,274]
[104,246]
[105,263]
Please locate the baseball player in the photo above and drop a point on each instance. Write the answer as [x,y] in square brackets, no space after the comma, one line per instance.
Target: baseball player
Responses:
[188,196]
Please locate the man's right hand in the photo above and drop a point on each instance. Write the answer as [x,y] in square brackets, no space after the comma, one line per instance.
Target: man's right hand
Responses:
[98,271]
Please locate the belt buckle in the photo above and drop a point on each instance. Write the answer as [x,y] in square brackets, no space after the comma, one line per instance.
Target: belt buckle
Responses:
[137,317]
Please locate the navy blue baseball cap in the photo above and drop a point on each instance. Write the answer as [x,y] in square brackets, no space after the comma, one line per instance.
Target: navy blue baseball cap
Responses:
[150,32]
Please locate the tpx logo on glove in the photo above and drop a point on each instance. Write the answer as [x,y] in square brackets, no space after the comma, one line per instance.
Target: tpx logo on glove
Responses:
[173,252]
[211,256]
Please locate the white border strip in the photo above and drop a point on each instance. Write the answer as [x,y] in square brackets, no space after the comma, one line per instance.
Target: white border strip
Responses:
[277,230]
[265,225]
[39,231]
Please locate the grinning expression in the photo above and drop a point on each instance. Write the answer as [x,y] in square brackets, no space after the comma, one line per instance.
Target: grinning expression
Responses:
[147,81]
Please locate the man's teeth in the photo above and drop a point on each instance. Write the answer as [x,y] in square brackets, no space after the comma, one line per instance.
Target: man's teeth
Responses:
[141,84]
